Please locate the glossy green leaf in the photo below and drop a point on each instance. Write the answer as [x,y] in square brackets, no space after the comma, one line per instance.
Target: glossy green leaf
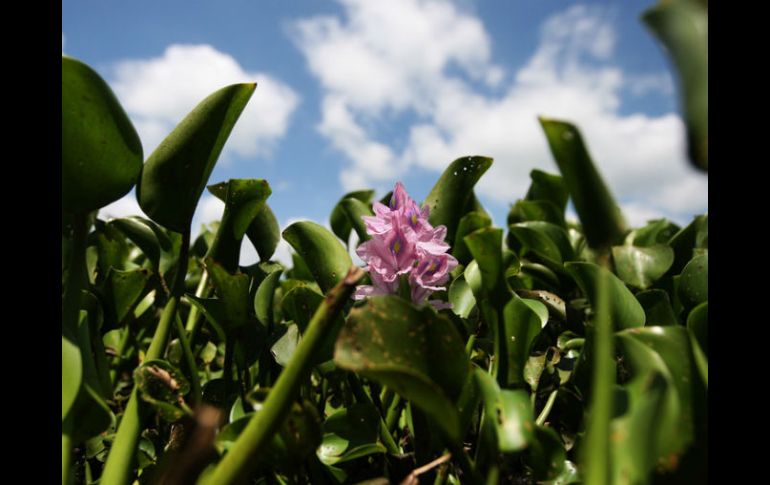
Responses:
[657,307]
[111,247]
[694,282]
[461,297]
[522,325]
[450,196]
[284,347]
[175,174]
[263,300]
[642,266]
[548,187]
[548,241]
[300,303]
[233,289]
[602,221]
[214,309]
[122,292]
[536,210]
[354,209]
[658,231]
[340,221]
[626,311]
[667,351]
[244,199]
[693,236]
[349,434]
[150,237]
[469,223]
[416,352]
[698,324]
[486,247]
[264,233]
[326,258]
[101,151]
[71,374]
[507,412]
[682,28]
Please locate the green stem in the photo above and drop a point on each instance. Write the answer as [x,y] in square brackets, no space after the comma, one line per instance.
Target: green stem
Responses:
[194,317]
[117,469]
[596,455]
[227,370]
[195,383]
[239,461]
[470,474]
[547,409]
[469,344]
[124,338]
[394,412]
[362,397]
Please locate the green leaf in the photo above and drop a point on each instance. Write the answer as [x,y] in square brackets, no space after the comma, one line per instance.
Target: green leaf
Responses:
[340,221]
[548,241]
[698,324]
[244,199]
[349,434]
[450,196]
[693,236]
[469,223]
[326,258]
[536,210]
[657,307]
[486,247]
[263,300]
[642,266]
[122,292]
[234,292]
[507,412]
[667,351]
[150,237]
[71,374]
[175,174]
[602,221]
[416,352]
[214,309]
[354,209]
[548,186]
[694,282]
[522,325]
[300,303]
[626,311]
[461,297]
[284,347]
[682,28]
[91,414]
[658,231]
[264,233]
[101,152]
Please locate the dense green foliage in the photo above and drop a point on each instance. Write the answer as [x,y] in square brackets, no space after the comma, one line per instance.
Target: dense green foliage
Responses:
[574,352]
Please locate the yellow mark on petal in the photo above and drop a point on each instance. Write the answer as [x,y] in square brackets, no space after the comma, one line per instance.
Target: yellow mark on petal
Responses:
[414,219]
[397,247]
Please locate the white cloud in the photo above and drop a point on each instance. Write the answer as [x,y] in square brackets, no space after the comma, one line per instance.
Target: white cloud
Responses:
[395,58]
[159,92]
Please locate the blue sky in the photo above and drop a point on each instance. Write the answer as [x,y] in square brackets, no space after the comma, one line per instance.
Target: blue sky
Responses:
[354,94]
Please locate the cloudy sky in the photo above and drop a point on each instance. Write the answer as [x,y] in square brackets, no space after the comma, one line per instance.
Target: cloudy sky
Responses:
[358,94]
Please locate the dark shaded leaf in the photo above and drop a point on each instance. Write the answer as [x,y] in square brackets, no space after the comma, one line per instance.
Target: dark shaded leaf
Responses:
[657,307]
[264,233]
[326,258]
[469,223]
[349,434]
[642,266]
[693,286]
[340,221]
[626,311]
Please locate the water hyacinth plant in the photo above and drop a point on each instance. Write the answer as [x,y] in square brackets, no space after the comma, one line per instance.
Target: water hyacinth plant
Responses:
[548,351]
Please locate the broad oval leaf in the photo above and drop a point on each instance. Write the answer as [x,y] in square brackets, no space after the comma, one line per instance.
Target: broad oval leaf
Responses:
[326,258]
[264,233]
[350,433]
[508,413]
[448,200]
[486,247]
[233,289]
[522,325]
[71,374]
[101,151]
[263,300]
[461,297]
[340,221]
[469,223]
[625,309]
[548,187]
[175,174]
[694,282]
[416,352]
[642,266]
[698,324]
[657,307]
[548,241]
[599,214]
[354,209]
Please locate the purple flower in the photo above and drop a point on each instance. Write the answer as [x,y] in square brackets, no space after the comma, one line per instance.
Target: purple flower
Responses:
[404,243]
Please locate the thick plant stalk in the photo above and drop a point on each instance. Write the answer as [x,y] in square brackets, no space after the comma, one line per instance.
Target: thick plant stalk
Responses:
[195,383]
[239,460]
[194,317]
[596,451]
[117,469]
